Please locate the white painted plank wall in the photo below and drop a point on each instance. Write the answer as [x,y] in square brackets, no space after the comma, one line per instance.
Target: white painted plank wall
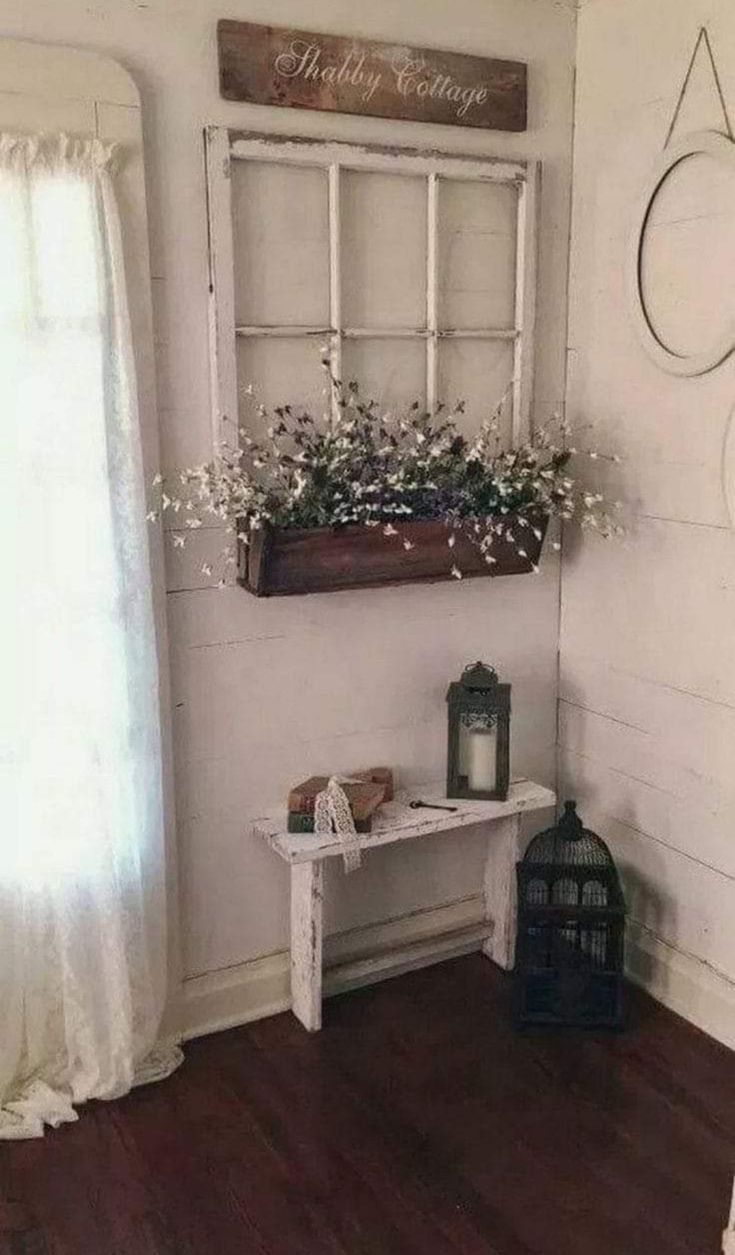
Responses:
[265,693]
[647,712]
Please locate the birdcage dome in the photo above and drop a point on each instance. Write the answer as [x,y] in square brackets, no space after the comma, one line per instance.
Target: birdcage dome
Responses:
[571,924]
[570,844]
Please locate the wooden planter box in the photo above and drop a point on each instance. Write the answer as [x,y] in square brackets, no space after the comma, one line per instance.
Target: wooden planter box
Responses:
[279,562]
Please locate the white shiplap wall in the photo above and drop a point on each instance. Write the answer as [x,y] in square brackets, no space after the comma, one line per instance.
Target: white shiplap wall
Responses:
[264,693]
[647,712]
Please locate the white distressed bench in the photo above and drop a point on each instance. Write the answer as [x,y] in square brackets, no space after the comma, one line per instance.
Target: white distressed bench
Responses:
[395,821]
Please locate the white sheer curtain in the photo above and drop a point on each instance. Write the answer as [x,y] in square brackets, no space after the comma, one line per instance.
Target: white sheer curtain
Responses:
[82,896]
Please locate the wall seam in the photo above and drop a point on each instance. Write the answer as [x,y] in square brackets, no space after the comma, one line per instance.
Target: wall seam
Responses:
[565,389]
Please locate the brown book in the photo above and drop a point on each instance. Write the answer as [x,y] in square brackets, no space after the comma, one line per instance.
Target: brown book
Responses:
[363,798]
[379,775]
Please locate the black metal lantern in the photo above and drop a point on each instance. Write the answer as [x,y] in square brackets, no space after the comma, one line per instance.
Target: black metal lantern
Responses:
[571,922]
[478,748]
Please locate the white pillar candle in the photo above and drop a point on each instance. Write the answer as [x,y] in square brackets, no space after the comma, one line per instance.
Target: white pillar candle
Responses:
[481,759]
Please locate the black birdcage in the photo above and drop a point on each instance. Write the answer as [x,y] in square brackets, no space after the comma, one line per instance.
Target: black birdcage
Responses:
[571,921]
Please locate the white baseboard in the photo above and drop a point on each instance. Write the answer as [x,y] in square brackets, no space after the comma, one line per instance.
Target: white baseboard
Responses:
[260,987]
[682,982]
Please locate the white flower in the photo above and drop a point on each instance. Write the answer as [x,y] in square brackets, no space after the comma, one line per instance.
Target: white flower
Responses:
[389,530]
[452,541]
[206,569]
[179,540]
[456,573]
[408,544]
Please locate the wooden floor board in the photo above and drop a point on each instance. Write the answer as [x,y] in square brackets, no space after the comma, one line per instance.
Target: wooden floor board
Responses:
[419,1122]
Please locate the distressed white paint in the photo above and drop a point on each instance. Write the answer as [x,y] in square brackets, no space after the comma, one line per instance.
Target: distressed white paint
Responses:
[647,716]
[398,821]
[265,692]
[307,892]
[236,995]
[395,823]
[284,238]
[335,275]
[525,313]
[432,276]
[223,376]
[503,851]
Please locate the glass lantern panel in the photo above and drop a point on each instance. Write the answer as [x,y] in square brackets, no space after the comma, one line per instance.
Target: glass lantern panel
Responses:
[478,751]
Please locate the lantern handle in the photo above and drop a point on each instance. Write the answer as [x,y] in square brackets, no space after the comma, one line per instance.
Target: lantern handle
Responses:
[479,675]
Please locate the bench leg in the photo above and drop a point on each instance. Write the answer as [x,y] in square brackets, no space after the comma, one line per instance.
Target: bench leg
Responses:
[306,943]
[503,850]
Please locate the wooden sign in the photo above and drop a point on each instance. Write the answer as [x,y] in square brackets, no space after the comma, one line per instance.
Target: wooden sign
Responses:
[270,65]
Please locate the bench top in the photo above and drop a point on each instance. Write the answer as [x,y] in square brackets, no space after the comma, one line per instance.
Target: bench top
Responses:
[395,821]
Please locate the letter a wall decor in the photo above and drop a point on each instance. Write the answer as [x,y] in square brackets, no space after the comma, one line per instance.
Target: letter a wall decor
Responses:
[719,148]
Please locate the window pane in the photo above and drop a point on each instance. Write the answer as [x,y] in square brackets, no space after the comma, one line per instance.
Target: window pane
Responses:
[280,227]
[383,250]
[477,243]
[282,372]
[477,372]
[393,372]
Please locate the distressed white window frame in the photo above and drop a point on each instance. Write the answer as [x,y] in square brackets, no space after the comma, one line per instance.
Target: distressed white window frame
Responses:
[223,146]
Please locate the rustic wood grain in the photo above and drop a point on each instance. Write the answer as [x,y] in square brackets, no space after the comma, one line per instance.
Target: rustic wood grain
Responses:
[418,1123]
[271,65]
[280,563]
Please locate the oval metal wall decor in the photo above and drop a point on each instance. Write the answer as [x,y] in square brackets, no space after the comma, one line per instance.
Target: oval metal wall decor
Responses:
[719,148]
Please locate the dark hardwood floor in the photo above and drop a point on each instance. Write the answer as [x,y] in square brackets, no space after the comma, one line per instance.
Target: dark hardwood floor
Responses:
[419,1122]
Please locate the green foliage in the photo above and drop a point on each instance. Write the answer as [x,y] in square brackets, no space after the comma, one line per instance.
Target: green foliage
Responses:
[360,465]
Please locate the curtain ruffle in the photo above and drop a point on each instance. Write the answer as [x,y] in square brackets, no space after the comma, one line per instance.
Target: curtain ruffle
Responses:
[57,152]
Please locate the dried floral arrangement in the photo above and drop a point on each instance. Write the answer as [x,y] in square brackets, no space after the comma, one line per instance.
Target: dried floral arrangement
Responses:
[359,465]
